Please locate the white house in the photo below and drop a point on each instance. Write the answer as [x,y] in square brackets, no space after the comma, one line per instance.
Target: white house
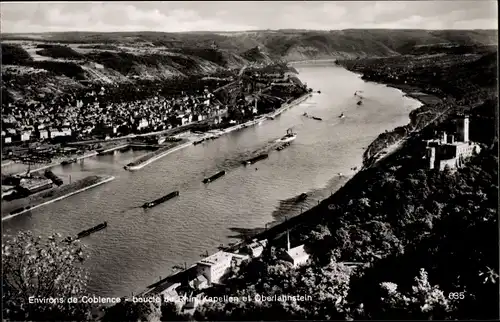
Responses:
[199,282]
[257,247]
[62,132]
[215,266]
[25,135]
[297,255]
[143,123]
[43,134]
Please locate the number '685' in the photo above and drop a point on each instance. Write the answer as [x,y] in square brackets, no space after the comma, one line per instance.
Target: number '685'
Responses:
[456,295]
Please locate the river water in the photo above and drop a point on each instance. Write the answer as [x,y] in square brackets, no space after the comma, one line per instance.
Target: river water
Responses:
[140,246]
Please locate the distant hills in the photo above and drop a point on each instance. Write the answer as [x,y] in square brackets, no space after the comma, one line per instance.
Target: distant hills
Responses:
[117,57]
[286,44]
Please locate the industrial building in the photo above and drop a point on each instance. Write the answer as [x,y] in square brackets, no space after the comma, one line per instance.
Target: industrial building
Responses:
[33,185]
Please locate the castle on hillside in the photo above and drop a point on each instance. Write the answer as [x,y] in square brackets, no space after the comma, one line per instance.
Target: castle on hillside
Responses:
[448,151]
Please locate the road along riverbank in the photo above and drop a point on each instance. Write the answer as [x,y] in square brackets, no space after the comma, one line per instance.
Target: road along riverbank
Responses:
[58,193]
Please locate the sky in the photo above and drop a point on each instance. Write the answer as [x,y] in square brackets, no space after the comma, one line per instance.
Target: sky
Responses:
[180,16]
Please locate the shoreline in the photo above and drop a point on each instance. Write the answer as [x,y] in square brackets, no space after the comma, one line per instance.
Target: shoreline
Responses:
[103,180]
[156,157]
[58,162]
[423,98]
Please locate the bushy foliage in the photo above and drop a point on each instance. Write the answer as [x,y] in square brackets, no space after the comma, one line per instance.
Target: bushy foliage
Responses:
[58,51]
[212,55]
[133,311]
[58,68]
[42,269]
[14,55]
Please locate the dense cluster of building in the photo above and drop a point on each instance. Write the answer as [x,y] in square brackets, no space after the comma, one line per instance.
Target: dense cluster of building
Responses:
[96,113]
[451,150]
[215,269]
[92,117]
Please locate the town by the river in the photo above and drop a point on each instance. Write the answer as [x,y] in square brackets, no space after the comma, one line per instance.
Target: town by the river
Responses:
[140,246]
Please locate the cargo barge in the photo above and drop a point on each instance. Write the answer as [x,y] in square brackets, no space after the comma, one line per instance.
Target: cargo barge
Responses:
[158,201]
[214,177]
[256,159]
[198,142]
[92,230]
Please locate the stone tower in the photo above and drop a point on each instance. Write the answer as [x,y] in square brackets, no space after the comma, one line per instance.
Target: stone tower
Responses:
[431,157]
[463,129]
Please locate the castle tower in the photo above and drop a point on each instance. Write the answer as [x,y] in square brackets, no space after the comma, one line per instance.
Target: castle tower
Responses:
[287,241]
[431,157]
[443,138]
[463,129]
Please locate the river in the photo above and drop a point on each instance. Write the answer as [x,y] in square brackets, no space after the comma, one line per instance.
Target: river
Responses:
[140,246]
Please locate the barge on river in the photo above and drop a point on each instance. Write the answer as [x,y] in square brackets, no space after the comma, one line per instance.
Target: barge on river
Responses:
[214,177]
[158,201]
[256,159]
[92,230]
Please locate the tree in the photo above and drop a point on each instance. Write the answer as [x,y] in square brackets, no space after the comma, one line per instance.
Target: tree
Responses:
[41,270]
[422,302]
[133,311]
[170,311]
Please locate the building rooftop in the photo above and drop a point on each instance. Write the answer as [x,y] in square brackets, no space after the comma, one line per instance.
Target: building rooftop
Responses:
[298,253]
[216,258]
[165,286]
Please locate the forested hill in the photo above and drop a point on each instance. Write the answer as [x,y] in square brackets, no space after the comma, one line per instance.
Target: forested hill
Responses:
[287,44]
[69,59]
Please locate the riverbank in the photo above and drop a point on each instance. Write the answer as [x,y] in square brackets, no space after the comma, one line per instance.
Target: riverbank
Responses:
[155,155]
[59,161]
[55,194]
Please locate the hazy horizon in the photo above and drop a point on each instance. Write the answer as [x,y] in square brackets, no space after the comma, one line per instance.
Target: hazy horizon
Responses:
[223,31]
[246,16]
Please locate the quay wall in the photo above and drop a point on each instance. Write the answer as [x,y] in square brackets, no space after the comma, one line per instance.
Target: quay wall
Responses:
[104,180]
[161,155]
